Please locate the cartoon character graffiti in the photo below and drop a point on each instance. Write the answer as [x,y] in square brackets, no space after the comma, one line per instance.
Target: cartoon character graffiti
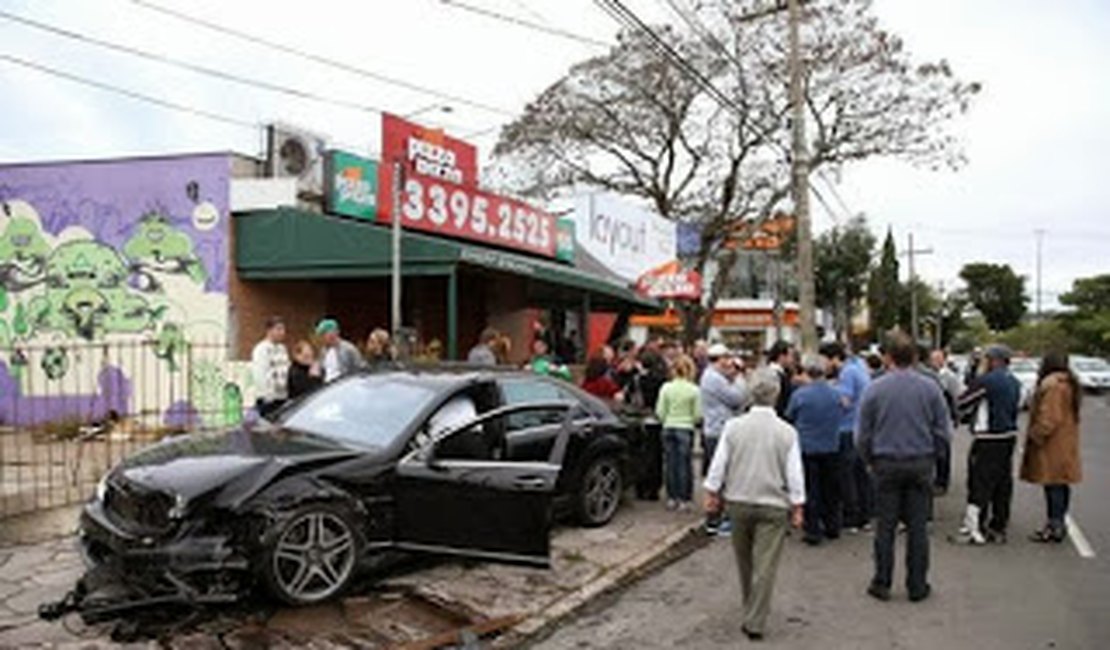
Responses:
[86,293]
[170,345]
[23,249]
[158,246]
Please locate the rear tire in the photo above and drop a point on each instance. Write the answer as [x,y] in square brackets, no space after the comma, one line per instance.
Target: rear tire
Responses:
[600,487]
[312,555]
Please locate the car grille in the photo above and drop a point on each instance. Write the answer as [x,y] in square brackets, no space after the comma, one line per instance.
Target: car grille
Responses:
[137,508]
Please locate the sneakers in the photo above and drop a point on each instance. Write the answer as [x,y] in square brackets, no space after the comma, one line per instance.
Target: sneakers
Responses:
[672,504]
[996,537]
[724,529]
[972,538]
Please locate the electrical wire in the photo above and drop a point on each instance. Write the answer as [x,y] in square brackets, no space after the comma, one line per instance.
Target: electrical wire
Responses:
[317,58]
[523,22]
[183,108]
[185,65]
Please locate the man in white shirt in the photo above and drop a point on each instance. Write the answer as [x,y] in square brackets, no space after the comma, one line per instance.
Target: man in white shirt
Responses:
[270,368]
[756,476]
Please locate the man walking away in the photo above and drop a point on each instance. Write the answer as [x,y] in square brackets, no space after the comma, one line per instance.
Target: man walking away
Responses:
[780,358]
[815,410]
[902,418]
[857,489]
[990,463]
[270,368]
[340,356]
[756,476]
[722,397]
[482,354]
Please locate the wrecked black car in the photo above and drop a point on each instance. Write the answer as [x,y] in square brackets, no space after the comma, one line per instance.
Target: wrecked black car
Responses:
[463,463]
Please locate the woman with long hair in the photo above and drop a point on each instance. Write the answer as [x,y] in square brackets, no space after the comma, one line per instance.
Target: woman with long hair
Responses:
[1051,454]
[679,409]
[598,381]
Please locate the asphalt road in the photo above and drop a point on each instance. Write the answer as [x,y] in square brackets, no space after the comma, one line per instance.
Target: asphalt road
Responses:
[1012,597]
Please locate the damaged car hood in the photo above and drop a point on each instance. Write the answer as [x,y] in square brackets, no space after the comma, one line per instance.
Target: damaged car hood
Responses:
[236,462]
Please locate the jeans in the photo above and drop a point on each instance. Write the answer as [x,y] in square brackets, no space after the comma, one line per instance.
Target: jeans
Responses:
[822,509]
[649,460]
[903,490]
[678,470]
[857,489]
[708,448]
[1057,498]
[758,533]
[990,481]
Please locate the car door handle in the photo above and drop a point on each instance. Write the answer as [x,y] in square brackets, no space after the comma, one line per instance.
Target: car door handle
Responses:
[530,483]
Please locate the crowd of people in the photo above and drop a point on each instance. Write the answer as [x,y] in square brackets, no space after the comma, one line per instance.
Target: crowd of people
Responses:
[837,442]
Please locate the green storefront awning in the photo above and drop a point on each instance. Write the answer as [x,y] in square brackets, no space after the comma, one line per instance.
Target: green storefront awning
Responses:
[287,244]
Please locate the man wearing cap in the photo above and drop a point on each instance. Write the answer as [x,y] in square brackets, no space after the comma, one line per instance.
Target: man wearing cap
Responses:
[270,368]
[341,357]
[990,463]
[723,396]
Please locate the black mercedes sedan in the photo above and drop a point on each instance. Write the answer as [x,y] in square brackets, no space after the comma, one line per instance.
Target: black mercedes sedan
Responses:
[441,461]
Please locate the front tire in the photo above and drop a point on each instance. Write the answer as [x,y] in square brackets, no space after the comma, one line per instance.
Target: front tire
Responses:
[312,555]
[599,491]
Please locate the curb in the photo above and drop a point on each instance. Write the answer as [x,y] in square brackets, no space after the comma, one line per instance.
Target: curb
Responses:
[674,546]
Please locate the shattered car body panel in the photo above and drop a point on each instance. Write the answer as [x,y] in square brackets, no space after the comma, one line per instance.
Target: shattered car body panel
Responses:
[207,518]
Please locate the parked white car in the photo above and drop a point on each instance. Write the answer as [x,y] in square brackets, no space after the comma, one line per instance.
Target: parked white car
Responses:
[1025,369]
[1093,373]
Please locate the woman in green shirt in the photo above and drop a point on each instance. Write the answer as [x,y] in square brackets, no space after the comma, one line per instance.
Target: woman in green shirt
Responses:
[679,409]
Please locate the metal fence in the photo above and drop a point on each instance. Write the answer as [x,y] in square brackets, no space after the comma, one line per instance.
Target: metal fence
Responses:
[69,412]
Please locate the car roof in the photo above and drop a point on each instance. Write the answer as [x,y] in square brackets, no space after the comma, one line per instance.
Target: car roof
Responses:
[446,374]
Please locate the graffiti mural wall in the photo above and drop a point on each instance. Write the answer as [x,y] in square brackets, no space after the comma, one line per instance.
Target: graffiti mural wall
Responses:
[113,290]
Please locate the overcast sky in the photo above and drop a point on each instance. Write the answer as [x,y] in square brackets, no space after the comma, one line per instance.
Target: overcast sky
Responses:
[1036,136]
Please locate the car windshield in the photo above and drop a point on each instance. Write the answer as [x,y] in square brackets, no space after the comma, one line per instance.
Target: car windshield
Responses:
[1092,365]
[1024,366]
[366,412]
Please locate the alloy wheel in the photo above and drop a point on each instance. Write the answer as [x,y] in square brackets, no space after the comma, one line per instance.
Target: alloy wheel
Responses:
[314,557]
[601,490]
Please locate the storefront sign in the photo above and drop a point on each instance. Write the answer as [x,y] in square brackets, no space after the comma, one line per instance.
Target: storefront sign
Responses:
[628,240]
[670,282]
[564,241]
[440,192]
[351,185]
[495,260]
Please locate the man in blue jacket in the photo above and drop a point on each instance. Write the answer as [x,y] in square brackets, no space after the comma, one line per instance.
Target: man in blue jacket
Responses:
[990,481]
[857,488]
[815,410]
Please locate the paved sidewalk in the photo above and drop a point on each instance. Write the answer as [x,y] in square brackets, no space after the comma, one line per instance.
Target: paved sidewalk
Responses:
[402,608]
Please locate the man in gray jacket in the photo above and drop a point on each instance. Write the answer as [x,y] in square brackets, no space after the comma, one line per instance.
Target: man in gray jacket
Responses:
[723,396]
[340,357]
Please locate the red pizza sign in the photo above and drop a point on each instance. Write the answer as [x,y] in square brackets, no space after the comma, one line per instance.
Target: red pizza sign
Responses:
[440,192]
[670,282]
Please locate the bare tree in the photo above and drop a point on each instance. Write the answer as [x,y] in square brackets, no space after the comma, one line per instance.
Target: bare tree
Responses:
[632,122]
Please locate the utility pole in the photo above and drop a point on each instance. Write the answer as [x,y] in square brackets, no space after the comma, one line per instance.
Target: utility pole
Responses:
[395,293]
[800,173]
[1039,232]
[911,252]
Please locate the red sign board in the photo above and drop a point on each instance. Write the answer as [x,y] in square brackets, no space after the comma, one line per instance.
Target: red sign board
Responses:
[440,192]
[670,282]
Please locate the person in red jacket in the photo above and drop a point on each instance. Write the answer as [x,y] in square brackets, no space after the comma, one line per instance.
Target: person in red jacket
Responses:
[598,381]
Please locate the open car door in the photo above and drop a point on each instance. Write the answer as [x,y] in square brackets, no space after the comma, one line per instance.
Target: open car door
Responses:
[474,503]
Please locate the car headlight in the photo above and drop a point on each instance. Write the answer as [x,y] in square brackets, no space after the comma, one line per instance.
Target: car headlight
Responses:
[180,505]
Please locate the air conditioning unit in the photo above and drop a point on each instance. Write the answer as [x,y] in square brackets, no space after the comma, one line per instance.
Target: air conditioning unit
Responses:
[296,153]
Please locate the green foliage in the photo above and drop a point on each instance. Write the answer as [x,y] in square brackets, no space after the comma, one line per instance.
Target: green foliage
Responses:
[842,259]
[1037,338]
[997,292]
[883,290]
[1089,324]
[20,324]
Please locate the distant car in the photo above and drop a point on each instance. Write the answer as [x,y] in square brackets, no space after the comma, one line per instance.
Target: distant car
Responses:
[362,467]
[1093,373]
[1026,369]
[958,363]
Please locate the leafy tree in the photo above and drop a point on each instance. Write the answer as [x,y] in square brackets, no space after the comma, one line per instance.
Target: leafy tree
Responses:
[997,292]
[1089,324]
[842,259]
[883,290]
[630,122]
[1038,338]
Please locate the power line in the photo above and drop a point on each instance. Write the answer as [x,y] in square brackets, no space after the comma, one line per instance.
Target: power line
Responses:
[707,34]
[185,65]
[184,108]
[523,22]
[317,58]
